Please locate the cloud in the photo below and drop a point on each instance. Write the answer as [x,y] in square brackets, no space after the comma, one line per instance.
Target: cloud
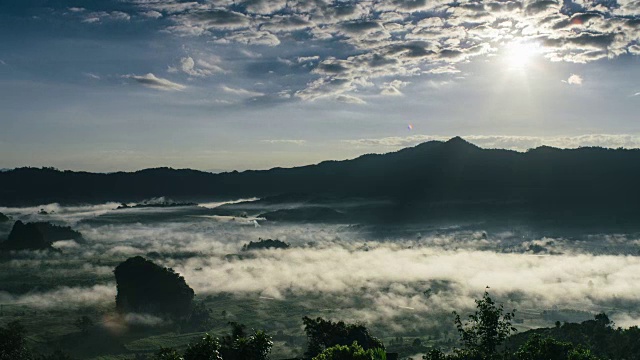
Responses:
[64,297]
[519,143]
[393,88]
[152,14]
[286,141]
[360,47]
[240,91]
[573,80]
[350,99]
[101,16]
[154,82]
[201,68]
[379,279]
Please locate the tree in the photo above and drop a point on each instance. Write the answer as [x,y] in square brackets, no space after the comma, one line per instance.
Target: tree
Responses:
[322,334]
[167,354]
[485,330]
[13,345]
[351,352]
[207,348]
[539,348]
[240,346]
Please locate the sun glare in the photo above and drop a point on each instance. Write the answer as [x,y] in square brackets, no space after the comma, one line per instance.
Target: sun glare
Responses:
[519,54]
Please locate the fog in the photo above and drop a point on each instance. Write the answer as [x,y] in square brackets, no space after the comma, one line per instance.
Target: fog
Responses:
[398,279]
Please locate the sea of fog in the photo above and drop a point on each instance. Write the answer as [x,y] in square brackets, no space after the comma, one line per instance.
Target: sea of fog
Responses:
[392,275]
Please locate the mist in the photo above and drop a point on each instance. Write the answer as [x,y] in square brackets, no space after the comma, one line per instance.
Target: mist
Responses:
[395,279]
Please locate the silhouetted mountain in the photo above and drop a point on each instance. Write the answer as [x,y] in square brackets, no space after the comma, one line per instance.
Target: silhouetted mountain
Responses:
[149,288]
[3,218]
[53,233]
[25,237]
[432,174]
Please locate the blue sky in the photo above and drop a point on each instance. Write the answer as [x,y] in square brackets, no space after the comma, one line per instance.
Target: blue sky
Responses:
[219,85]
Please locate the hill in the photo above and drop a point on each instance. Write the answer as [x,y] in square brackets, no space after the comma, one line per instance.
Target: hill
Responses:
[451,174]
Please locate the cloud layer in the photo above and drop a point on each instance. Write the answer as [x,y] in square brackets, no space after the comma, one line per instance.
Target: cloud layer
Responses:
[355,45]
[378,279]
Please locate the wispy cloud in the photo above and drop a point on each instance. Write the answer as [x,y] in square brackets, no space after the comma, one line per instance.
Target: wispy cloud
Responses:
[285,141]
[154,82]
[240,91]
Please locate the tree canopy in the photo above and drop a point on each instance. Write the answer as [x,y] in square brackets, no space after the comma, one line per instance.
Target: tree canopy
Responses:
[323,334]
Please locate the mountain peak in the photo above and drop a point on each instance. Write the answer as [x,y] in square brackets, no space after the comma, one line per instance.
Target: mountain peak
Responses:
[459,142]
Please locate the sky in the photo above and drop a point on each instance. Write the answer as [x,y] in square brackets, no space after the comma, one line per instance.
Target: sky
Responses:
[106,85]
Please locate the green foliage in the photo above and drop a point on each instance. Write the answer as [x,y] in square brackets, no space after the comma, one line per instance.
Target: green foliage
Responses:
[240,346]
[207,348]
[167,354]
[539,348]
[323,334]
[12,343]
[485,330]
[351,352]
[581,354]
[435,354]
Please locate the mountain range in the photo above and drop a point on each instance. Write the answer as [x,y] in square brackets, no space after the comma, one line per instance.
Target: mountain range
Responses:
[454,173]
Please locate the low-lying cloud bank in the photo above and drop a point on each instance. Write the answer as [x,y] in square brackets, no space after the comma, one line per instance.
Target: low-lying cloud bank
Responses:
[64,298]
[393,280]
[519,143]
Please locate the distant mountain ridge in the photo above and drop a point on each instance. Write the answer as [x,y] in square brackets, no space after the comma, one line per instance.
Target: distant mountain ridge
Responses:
[454,171]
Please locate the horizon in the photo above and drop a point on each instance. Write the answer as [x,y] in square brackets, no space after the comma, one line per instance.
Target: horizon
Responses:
[438,139]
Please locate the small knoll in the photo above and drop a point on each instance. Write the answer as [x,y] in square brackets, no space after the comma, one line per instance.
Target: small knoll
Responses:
[4,218]
[307,213]
[145,287]
[25,237]
[265,244]
[53,233]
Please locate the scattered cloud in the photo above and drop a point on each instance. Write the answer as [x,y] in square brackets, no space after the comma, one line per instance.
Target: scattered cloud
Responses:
[102,16]
[154,82]
[573,80]
[368,45]
[200,68]
[152,14]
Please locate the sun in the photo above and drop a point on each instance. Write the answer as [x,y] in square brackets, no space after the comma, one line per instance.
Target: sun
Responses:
[519,54]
